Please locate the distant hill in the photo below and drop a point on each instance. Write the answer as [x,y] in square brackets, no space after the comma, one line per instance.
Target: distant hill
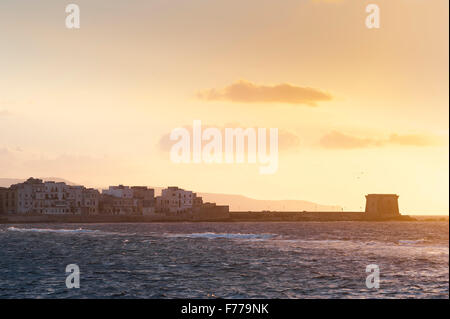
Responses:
[6,182]
[243,203]
[236,202]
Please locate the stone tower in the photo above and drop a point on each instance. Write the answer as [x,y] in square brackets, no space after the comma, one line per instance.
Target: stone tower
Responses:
[382,205]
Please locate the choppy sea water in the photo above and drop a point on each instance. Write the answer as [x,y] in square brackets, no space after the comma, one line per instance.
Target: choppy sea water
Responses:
[226,260]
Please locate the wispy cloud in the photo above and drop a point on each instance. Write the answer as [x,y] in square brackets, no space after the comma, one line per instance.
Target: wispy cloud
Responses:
[338,140]
[247,92]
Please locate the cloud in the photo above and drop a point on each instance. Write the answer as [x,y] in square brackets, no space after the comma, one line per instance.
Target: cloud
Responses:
[338,140]
[247,92]
[4,113]
[287,141]
[415,140]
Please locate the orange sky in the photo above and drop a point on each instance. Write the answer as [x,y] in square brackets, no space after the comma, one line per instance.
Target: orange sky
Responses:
[366,109]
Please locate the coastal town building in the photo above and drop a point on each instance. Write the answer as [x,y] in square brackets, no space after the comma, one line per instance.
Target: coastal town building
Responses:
[125,200]
[210,211]
[8,199]
[175,200]
[119,191]
[37,197]
[146,199]
[112,205]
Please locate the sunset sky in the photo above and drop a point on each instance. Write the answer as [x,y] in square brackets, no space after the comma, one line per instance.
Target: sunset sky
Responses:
[358,110]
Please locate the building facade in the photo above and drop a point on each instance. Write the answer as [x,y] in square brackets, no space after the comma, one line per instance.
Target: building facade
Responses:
[146,199]
[125,200]
[112,205]
[37,197]
[119,191]
[8,200]
[175,200]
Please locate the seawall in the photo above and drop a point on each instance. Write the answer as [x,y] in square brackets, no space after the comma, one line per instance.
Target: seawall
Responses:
[229,217]
[310,216]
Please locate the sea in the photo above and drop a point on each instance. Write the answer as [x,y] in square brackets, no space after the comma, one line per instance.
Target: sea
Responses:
[226,260]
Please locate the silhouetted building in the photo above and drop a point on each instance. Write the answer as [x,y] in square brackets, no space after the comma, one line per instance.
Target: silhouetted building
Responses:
[210,211]
[8,199]
[113,205]
[146,199]
[382,205]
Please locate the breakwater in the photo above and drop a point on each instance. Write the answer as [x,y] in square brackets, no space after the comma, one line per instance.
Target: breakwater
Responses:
[204,217]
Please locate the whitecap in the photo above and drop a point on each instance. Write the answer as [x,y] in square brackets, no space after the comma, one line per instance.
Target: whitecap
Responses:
[411,242]
[210,235]
[49,230]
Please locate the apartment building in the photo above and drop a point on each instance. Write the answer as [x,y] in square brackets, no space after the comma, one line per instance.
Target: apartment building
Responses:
[37,197]
[125,200]
[175,200]
[146,199]
[112,205]
[8,199]
[119,191]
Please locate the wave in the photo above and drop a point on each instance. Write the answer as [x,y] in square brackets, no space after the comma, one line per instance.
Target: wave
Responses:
[339,242]
[411,242]
[48,230]
[225,235]
[317,241]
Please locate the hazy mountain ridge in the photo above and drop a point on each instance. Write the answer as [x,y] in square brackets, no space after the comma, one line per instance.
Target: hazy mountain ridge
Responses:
[243,203]
[236,202]
[6,182]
